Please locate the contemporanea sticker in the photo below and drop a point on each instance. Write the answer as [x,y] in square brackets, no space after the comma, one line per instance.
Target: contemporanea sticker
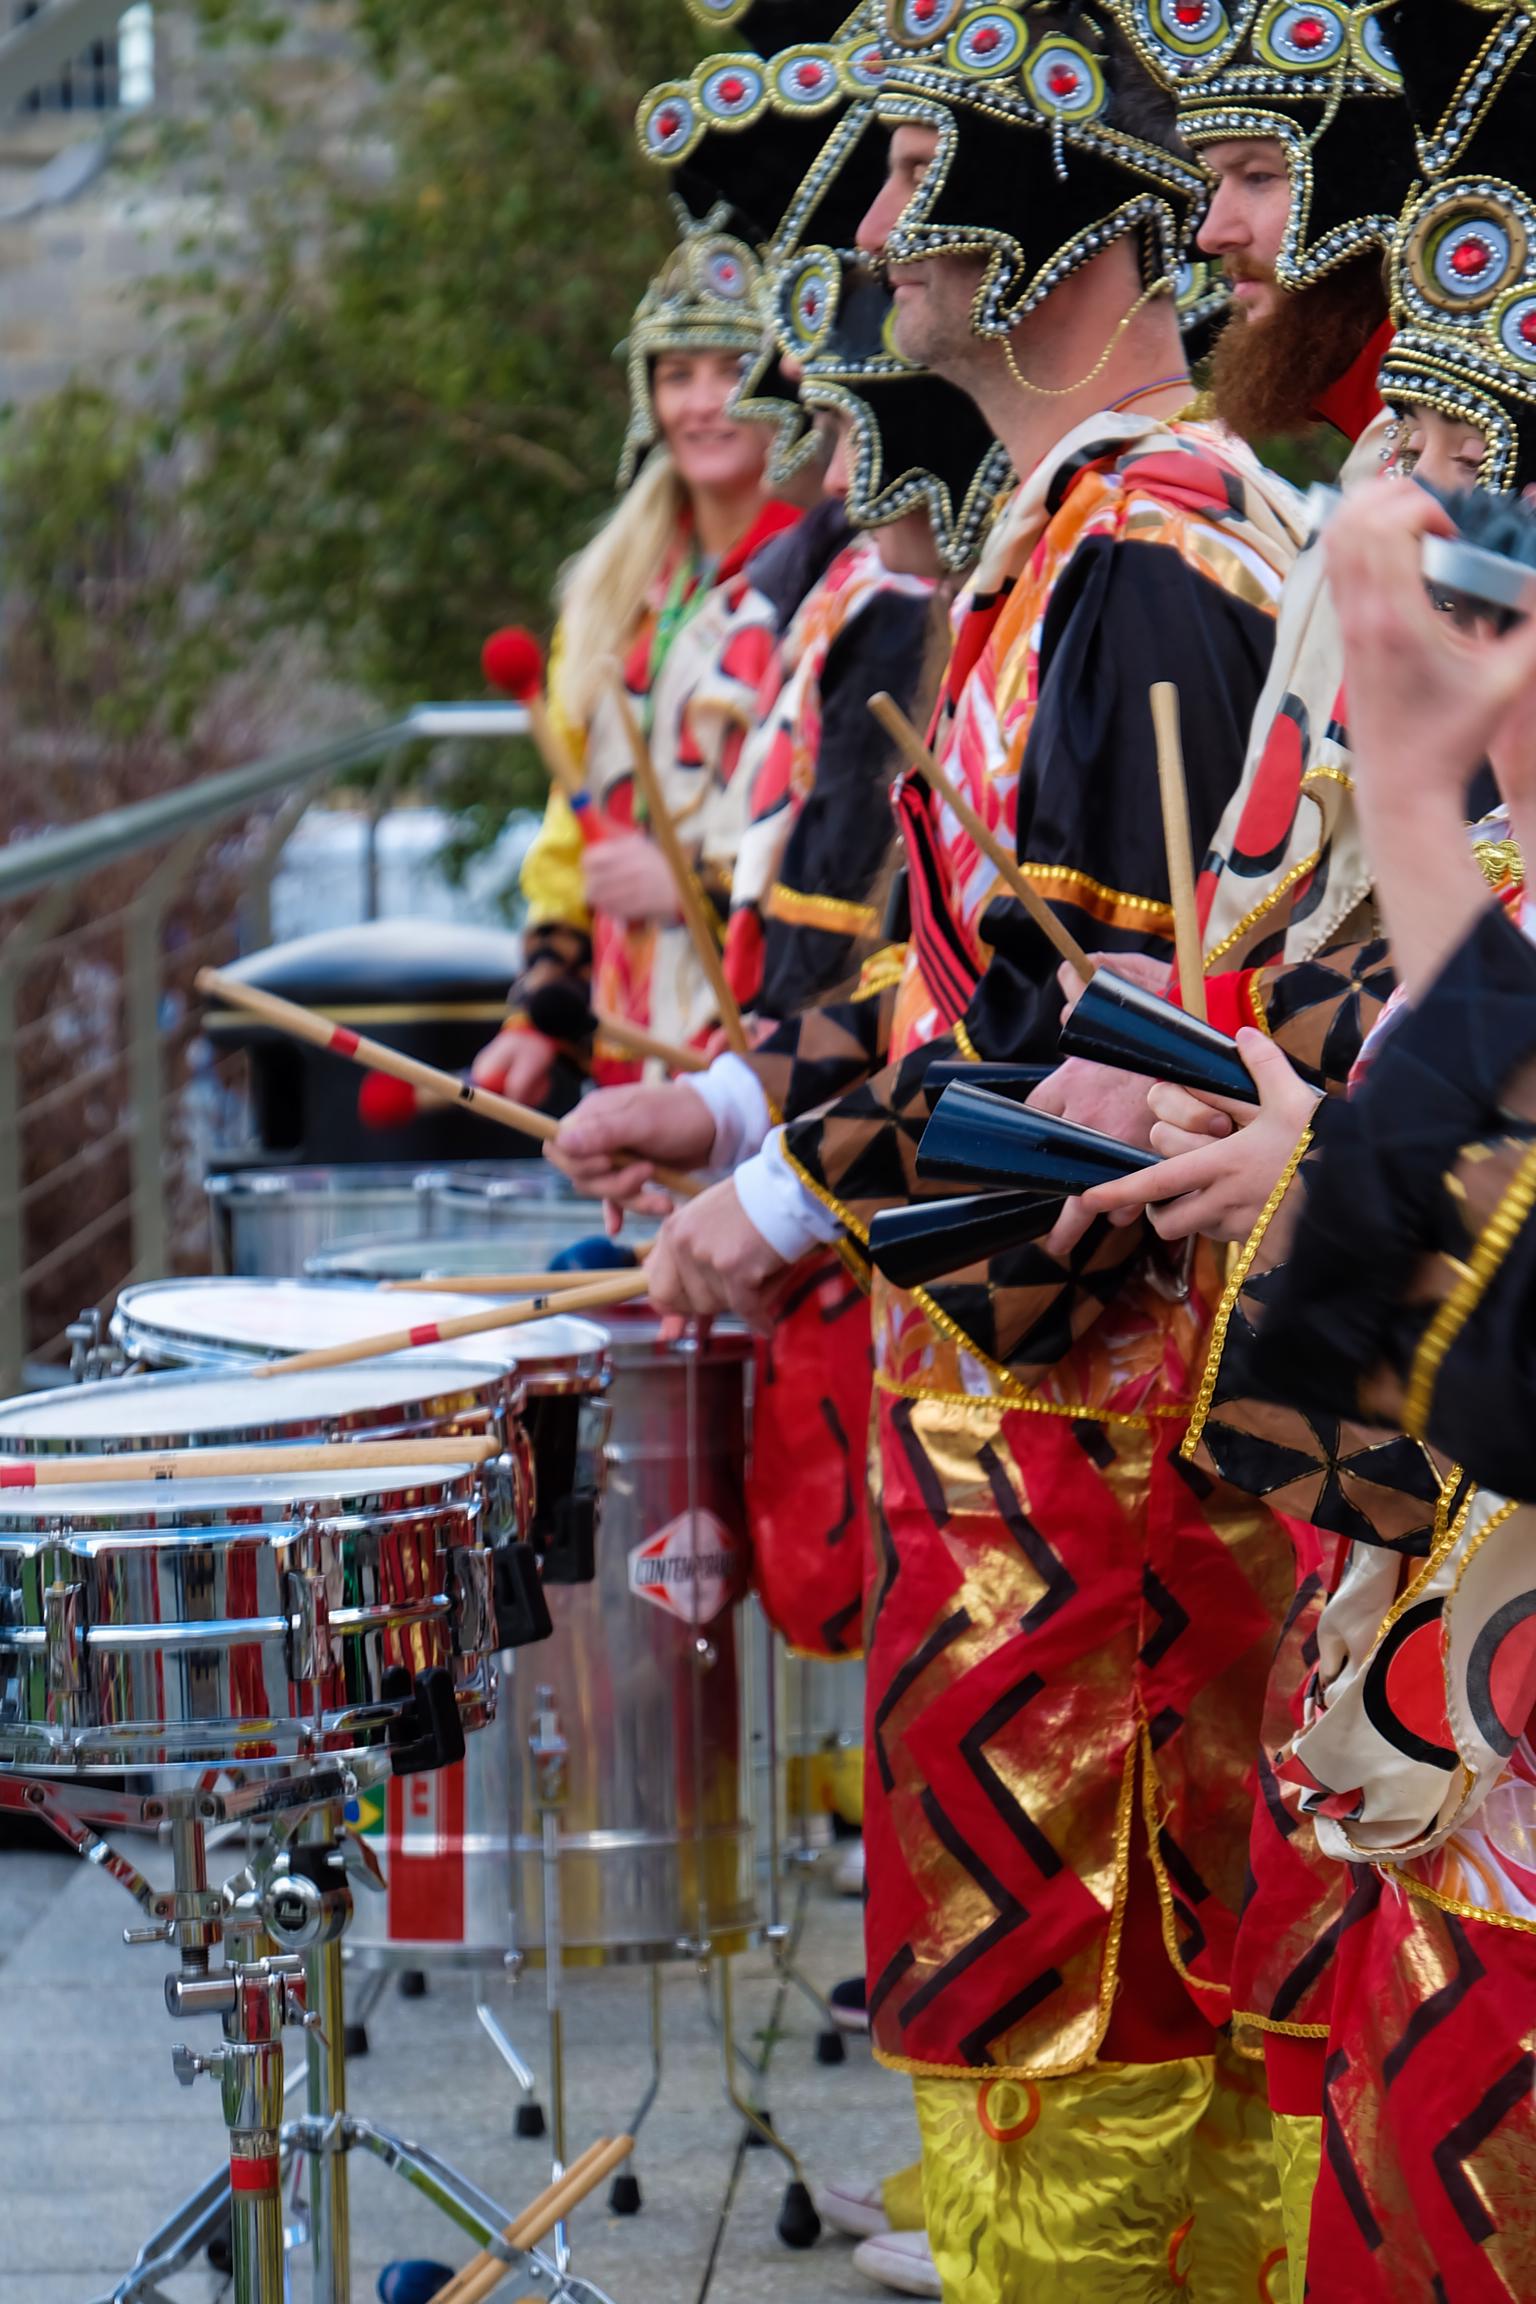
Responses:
[691,1568]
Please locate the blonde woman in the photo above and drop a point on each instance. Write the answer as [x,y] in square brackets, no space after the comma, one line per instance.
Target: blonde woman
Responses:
[602,912]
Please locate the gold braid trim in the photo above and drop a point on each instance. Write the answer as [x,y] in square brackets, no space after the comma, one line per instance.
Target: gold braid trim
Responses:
[1154,1824]
[1109,1977]
[1278,2024]
[799,908]
[1455,1904]
[1230,1295]
[881,972]
[1328,775]
[1493,1245]
[1251,919]
[965,1043]
[1030,1404]
[1113,907]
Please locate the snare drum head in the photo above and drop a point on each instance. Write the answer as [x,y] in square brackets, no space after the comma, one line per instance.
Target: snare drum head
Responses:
[229,1323]
[205,1410]
[234,1505]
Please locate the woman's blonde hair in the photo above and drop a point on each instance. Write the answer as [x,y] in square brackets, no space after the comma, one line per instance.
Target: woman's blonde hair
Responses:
[602,592]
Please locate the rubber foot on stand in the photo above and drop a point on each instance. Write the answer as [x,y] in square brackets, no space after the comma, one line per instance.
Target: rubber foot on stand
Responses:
[624,2195]
[830,2048]
[799,2226]
[529,2121]
[756,2141]
[354,2040]
[220,2250]
[413,2282]
[413,1984]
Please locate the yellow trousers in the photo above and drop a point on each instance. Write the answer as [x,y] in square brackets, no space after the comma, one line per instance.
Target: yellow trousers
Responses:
[1124,2184]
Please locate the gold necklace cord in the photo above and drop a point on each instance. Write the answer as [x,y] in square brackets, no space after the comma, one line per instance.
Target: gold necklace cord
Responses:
[1163,286]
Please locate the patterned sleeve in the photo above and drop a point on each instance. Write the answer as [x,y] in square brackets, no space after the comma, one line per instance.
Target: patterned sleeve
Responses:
[1123,615]
[1407,1298]
[1320,1010]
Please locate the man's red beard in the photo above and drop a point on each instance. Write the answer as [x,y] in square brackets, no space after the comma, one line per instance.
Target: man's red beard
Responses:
[1267,376]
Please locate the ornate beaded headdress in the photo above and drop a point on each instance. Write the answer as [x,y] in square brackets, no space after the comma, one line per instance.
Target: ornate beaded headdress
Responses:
[915,442]
[791,139]
[1463,261]
[1318,75]
[1033,169]
[711,295]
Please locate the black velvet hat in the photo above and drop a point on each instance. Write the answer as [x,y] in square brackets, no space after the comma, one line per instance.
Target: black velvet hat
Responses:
[1318,75]
[1463,259]
[1048,146]
[803,154]
[915,441]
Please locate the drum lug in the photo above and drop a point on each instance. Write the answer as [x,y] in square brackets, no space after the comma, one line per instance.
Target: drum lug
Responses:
[470,1575]
[303,1605]
[64,1648]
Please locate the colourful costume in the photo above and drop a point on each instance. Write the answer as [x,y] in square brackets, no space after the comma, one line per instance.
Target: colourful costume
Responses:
[1068,1643]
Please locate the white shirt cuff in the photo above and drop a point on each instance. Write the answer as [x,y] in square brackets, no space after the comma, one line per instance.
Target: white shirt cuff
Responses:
[791,1219]
[738,1107]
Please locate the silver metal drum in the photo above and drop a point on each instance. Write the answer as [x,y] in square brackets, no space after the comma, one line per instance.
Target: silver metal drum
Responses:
[272,1220]
[442,1257]
[236,1622]
[530,1206]
[229,1324]
[655,1842]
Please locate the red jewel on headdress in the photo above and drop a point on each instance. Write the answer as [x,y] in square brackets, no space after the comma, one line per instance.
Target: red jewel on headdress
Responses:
[986,40]
[1308,32]
[1528,326]
[1471,259]
[1062,81]
[1190,14]
[924,11]
[809,76]
[731,91]
[668,123]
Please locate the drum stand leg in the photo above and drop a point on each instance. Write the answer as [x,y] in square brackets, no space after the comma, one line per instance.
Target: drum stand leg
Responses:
[799,2226]
[624,2193]
[530,2113]
[329,2190]
[783,1939]
[548,1753]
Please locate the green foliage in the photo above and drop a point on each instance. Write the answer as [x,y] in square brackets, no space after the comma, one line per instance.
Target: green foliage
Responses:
[95,567]
[401,400]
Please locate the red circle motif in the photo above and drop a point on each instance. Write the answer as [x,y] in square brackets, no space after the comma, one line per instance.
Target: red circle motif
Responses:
[1471,259]
[731,91]
[1308,32]
[1528,327]
[1010,2131]
[668,123]
[809,76]
[1062,81]
[1190,14]
[986,40]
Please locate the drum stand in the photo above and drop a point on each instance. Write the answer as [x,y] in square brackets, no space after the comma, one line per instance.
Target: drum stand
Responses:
[798,2224]
[280,1921]
[800,1857]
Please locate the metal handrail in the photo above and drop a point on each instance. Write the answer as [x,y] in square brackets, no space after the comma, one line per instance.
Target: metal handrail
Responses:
[58,859]
[45,867]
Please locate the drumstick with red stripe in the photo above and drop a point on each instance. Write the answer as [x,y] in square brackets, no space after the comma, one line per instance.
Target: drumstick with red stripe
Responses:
[238,1463]
[320,1032]
[503,1283]
[618,1288]
[917,755]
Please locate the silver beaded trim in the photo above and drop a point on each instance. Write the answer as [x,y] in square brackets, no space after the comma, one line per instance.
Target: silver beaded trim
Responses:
[1298,265]
[1480,85]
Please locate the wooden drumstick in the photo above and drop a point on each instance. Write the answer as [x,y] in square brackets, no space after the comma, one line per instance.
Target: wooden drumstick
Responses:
[239,1463]
[897,726]
[483,2275]
[618,1288]
[1181,866]
[638,1043]
[695,913]
[499,1283]
[319,1031]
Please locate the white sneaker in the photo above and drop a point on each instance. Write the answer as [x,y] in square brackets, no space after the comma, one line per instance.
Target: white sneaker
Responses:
[902,2261]
[857,2210]
[848,1871]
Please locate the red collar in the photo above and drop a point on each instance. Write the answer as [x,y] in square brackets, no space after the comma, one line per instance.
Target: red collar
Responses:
[773,519]
[1353,403]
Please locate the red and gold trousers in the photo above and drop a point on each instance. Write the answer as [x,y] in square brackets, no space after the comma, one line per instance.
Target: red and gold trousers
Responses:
[1069,1643]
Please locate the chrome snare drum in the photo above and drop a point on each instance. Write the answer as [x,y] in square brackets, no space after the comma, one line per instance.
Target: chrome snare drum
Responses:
[236,1622]
[562,1363]
[530,1207]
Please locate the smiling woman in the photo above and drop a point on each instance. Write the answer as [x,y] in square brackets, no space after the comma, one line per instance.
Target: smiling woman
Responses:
[603,917]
